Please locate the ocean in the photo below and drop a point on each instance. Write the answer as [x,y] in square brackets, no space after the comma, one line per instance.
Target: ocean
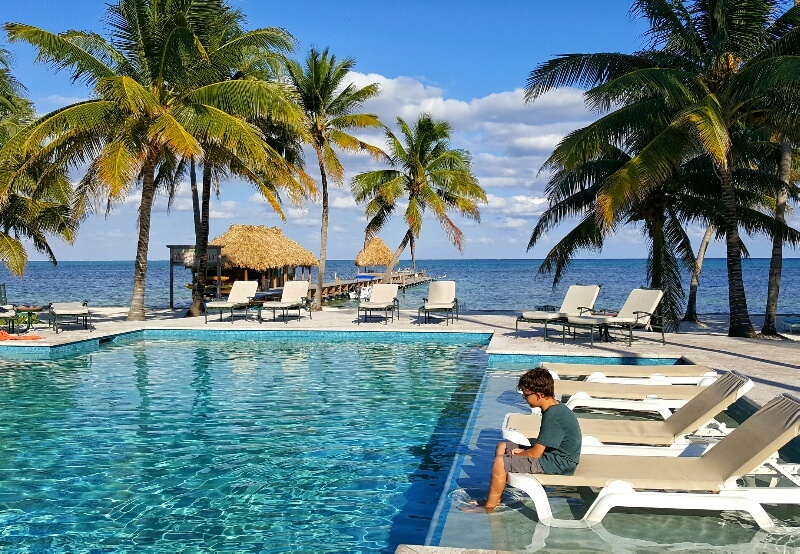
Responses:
[481,284]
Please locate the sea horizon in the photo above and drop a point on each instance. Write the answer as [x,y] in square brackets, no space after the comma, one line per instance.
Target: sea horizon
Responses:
[483,284]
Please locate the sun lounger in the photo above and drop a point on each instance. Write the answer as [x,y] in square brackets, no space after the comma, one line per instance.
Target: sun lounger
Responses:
[579,299]
[697,413]
[645,395]
[570,388]
[383,299]
[683,374]
[441,298]
[294,297]
[638,310]
[707,482]
[640,397]
[242,292]
[9,315]
[78,310]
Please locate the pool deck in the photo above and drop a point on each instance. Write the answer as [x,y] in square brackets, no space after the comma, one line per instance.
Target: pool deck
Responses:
[773,364]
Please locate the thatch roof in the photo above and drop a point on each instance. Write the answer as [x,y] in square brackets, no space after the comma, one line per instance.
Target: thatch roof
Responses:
[374,253]
[261,248]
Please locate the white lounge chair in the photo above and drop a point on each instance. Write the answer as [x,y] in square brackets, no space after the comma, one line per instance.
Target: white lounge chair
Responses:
[698,413]
[242,292]
[579,299]
[441,298]
[723,478]
[630,374]
[590,394]
[383,299]
[9,315]
[294,297]
[78,310]
[638,310]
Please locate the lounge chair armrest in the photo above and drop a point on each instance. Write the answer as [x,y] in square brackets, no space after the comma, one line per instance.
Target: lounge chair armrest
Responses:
[641,314]
[424,298]
[583,310]
[85,303]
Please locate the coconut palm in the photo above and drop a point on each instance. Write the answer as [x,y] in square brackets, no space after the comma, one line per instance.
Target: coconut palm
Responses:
[426,173]
[718,66]
[37,203]
[662,212]
[234,54]
[328,105]
[145,115]
[776,260]
[690,315]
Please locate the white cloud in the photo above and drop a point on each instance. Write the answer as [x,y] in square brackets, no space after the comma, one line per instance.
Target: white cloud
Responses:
[519,205]
[511,223]
[225,209]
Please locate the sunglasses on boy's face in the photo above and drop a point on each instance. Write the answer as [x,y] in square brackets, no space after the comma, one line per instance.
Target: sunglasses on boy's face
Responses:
[525,396]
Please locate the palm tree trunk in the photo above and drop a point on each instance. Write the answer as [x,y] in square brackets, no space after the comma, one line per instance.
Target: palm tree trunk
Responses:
[136,312]
[691,307]
[740,325]
[201,247]
[776,262]
[323,235]
[195,197]
[413,243]
[387,277]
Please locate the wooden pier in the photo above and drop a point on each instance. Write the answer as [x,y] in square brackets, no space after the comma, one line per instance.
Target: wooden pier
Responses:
[343,287]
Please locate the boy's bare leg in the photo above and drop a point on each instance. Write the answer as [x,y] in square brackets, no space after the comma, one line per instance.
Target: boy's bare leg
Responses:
[499,478]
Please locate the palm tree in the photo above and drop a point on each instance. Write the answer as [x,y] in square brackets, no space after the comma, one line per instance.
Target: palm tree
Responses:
[689,196]
[37,203]
[328,106]
[234,54]
[691,306]
[145,114]
[776,260]
[429,175]
[718,66]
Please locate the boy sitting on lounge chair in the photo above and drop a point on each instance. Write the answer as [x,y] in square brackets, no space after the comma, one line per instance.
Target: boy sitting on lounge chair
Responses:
[556,450]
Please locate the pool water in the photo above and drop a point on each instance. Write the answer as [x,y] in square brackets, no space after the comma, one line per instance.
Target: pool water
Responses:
[277,446]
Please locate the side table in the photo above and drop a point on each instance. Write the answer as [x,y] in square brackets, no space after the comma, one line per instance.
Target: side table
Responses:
[30,310]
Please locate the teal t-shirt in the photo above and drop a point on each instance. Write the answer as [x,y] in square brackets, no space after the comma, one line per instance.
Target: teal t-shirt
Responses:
[560,434]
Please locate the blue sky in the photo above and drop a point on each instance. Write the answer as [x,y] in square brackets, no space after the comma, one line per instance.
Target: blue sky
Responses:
[464,61]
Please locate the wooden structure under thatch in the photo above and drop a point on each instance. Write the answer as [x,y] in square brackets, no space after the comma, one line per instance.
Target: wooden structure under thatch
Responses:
[252,252]
[375,253]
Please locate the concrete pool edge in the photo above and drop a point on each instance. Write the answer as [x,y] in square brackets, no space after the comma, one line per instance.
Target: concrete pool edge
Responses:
[86,345]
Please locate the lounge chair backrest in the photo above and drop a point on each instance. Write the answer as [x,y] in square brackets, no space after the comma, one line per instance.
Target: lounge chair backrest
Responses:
[711,401]
[641,300]
[441,292]
[757,438]
[383,293]
[294,291]
[579,296]
[243,291]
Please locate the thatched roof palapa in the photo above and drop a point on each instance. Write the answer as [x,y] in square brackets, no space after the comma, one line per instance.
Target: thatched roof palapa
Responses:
[374,253]
[261,248]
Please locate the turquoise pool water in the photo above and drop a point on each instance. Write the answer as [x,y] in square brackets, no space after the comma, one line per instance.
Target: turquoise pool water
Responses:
[271,446]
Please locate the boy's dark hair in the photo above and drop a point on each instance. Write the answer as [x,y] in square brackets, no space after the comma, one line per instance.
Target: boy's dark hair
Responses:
[537,380]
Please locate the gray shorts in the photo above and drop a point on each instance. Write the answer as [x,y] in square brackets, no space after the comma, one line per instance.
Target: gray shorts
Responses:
[520,464]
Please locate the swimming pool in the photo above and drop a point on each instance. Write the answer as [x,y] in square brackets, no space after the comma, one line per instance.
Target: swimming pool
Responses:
[271,446]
